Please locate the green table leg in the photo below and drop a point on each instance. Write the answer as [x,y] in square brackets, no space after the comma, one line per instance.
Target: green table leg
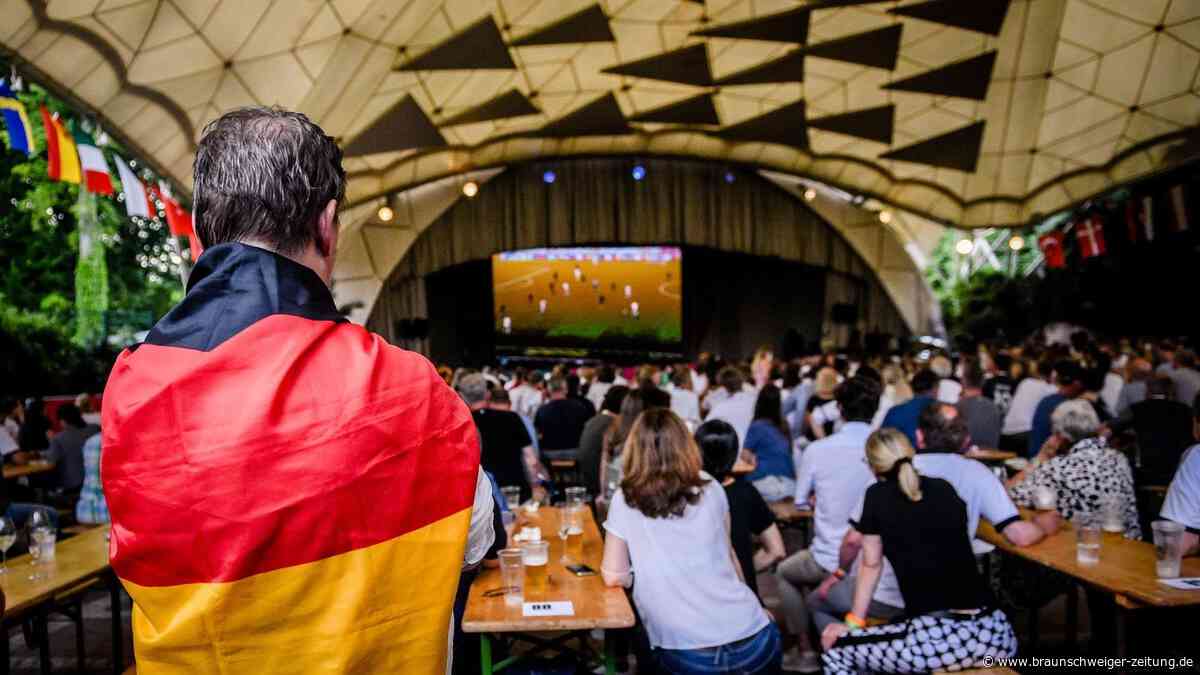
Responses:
[485,653]
[610,659]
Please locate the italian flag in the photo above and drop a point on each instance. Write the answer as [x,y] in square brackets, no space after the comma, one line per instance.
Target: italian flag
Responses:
[62,160]
[96,178]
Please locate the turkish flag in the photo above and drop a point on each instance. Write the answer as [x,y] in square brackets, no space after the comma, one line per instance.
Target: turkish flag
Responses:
[1052,249]
[1090,233]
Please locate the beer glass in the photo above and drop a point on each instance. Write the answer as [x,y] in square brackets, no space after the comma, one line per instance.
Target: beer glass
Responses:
[512,572]
[1168,548]
[570,530]
[537,567]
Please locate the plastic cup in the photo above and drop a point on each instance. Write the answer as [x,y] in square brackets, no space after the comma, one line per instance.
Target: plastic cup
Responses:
[1113,514]
[512,496]
[1168,548]
[576,495]
[537,566]
[1087,541]
[512,573]
[1044,498]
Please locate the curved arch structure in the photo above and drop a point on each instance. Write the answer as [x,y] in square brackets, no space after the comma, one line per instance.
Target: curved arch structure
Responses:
[972,114]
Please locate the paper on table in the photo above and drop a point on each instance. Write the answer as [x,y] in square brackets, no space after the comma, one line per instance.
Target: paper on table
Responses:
[554,608]
[1183,584]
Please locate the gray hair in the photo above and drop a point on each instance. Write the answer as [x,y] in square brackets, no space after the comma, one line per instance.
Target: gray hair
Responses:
[1075,419]
[264,174]
[472,388]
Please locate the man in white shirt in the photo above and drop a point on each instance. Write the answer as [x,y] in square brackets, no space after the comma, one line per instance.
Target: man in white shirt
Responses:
[526,397]
[948,388]
[833,475]
[605,375]
[737,408]
[1182,504]
[684,402]
[942,437]
[1019,418]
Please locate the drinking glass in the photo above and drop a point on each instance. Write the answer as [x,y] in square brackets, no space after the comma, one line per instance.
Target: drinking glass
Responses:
[512,496]
[576,495]
[41,541]
[570,530]
[1113,513]
[512,572]
[1168,548]
[1044,498]
[537,566]
[1087,542]
[8,537]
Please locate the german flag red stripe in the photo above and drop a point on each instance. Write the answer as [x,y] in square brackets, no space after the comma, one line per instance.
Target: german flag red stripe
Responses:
[273,437]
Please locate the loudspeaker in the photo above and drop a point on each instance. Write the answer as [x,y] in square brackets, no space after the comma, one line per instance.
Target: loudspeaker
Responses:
[844,313]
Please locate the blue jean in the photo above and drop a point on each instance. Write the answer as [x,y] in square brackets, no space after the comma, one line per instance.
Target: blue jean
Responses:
[759,654]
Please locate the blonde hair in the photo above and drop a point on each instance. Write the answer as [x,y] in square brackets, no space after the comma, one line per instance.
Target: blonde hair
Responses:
[826,382]
[890,454]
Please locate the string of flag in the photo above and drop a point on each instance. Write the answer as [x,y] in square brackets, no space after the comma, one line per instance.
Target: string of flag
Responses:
[73,156]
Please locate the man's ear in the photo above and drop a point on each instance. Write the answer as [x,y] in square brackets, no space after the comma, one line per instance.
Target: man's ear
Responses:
[327,230]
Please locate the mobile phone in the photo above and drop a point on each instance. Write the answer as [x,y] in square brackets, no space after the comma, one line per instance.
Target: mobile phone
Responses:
[581,570]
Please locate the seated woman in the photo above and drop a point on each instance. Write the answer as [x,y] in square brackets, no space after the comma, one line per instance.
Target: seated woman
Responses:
[768,437]
[669,525]
[1080,468]
[821,413]
[749,515]
[920,525]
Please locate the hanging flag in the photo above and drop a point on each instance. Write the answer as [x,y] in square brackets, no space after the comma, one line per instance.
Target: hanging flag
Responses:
[1090,233]
[136,201]
[96,178]
[62,158]
[20,133]
[1180,210]
[195,246]
[1051,244]
[179,219]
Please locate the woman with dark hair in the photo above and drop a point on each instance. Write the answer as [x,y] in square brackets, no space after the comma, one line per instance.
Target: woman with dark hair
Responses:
[920,525]
[634,403]
[669,525]
[768,437]
[591,442]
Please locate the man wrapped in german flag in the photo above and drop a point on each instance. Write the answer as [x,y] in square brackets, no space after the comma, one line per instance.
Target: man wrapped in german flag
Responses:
[289,493]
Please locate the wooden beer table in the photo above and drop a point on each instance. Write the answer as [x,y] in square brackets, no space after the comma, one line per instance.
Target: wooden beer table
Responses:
[13,471]
[1126,570]
[990,455]
[595,605]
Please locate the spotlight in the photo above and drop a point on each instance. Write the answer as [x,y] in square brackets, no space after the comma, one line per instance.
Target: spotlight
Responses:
[385,213]
[885,217]
[1016,242]
[639,172]
[729,177]
[548,177]
[810,194]
[964,246]
[470,188]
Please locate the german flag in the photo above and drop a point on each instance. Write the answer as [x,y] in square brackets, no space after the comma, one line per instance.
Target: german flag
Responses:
[289,493]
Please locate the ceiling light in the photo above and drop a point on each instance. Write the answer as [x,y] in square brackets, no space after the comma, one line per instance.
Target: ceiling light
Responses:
[729,177]
[639,172]
[810,194]
[470,188]
[548,177]
[885,217]
[386,213]
[964,246]
[1016,242]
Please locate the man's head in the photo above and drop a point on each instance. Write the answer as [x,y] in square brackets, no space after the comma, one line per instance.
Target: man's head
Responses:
[498,399]
[1075,420]
[941,366]
[557,387]
[681,377]
[271,178]
[473,389]
[731,379]
[924,382]
[941,429]
[1003,363]
[1160,387]
[68,414]
[972,376]
[606,374]
[613,398]
[1068,375]
[858,398]
[1185,358]
[719,445]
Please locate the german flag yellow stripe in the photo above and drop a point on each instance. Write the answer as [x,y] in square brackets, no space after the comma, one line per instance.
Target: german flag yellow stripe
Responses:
[349,613]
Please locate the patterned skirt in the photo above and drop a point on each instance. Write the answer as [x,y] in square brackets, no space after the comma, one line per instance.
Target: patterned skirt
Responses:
[925,643]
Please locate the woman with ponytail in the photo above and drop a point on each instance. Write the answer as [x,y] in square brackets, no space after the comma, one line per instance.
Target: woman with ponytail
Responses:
[920,525]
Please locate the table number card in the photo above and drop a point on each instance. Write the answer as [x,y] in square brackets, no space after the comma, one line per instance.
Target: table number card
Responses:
[555,608]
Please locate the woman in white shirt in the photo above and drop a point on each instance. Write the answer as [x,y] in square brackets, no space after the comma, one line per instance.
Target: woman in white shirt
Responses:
[668,529]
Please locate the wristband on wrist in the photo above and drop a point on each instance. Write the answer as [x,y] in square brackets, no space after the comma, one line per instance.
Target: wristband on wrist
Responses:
[854,622]
[839,574]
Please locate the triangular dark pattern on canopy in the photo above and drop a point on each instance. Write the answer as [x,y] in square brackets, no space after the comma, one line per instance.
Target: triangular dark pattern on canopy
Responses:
[786,26]
[476,47]
[873,124]
[982,16]
[687,65]
[599,117]
[968,78]
[958,149]
[877,48]
[784,125]
[692,110]
[786,68]
[403,127]
[511,103]
[589,24]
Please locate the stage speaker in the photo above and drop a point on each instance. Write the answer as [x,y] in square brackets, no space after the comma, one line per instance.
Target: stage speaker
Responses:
[420,328]
[403,328]
[844,313]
